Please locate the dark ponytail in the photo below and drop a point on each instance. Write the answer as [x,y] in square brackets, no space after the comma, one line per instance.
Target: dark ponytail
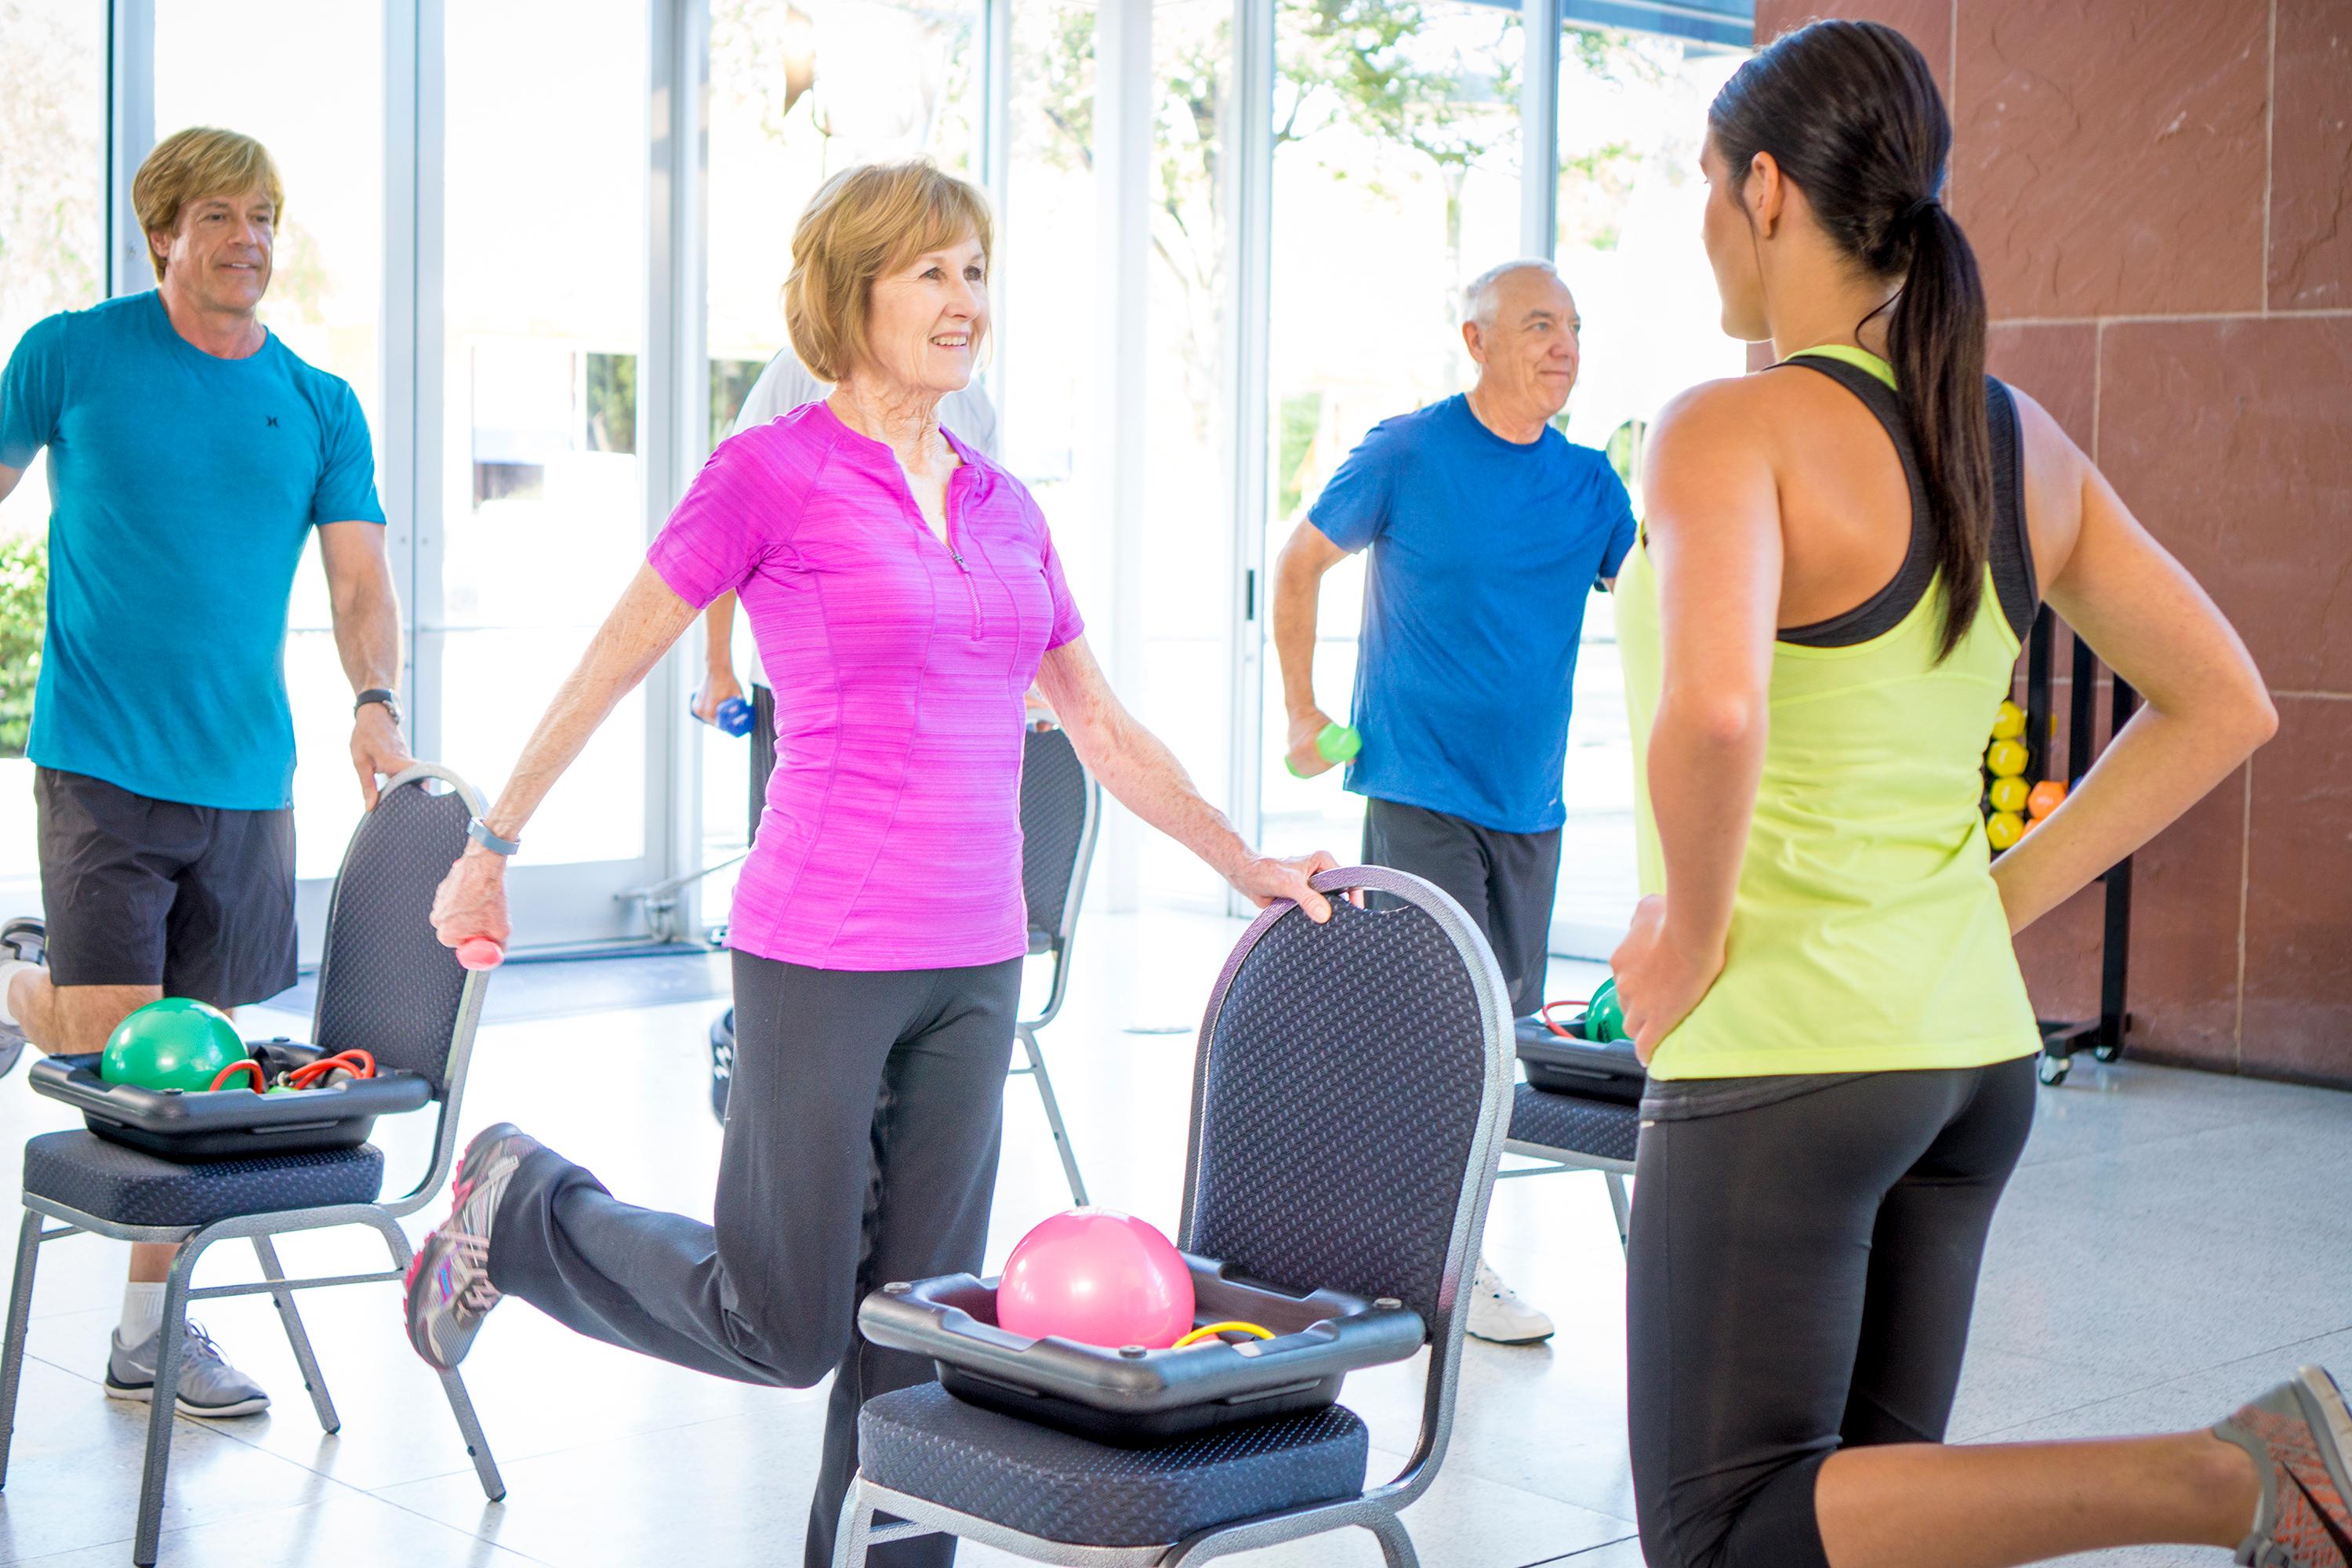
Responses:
[1850,111]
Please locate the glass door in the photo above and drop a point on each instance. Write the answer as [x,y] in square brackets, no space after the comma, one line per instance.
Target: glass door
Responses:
[543,504]
[307,81]
[1406,140]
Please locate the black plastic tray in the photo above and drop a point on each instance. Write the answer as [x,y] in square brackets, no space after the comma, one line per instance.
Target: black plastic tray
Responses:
[231,1123]
[1135,1397]
[1595,1068]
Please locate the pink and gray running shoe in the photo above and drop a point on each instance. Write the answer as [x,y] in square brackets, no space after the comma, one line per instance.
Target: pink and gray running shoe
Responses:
[448,1290]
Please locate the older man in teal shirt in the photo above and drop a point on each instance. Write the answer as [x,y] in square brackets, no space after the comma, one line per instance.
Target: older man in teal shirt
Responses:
[191,455]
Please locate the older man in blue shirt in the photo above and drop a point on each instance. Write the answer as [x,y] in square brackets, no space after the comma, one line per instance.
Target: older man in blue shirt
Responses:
[1488,529]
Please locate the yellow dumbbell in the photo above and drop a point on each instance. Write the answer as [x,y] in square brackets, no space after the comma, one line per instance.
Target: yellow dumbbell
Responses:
[2008,795]
[2004,829]
[2009,722]
[2005,759]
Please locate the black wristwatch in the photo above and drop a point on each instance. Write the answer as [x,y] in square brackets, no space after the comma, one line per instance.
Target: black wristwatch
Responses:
[390,699]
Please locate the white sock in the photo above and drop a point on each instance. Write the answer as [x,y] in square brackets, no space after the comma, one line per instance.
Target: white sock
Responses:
[142,1311]
[8,968]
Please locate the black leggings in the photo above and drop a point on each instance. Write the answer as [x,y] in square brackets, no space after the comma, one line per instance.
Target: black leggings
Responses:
[861,1147]
[1799,1279]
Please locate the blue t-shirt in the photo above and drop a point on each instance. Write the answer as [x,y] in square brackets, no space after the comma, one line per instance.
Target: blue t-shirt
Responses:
[1482,551]
[181,488]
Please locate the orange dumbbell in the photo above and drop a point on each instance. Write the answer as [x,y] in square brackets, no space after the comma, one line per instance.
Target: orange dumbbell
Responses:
[2044,798]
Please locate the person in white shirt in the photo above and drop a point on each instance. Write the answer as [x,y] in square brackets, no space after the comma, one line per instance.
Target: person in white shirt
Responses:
[786,385]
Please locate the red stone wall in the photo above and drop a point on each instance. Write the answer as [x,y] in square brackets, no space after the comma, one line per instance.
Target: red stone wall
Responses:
[2159,192]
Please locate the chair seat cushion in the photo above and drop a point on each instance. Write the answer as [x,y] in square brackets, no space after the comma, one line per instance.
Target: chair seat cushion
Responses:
[1575,1125]
[929,1444]
[110,1182]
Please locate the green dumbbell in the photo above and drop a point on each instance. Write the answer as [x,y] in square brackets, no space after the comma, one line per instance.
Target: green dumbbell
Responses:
[1604,1016]
[1336,743]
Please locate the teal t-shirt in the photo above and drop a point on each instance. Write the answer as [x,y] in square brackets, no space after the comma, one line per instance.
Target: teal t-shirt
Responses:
[181,488]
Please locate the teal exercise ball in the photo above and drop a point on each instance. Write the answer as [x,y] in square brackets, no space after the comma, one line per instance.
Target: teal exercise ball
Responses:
[176,1042]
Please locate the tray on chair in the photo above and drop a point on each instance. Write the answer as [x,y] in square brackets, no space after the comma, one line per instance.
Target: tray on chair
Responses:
[1571,1064]
[231,1123]
[1132,1396]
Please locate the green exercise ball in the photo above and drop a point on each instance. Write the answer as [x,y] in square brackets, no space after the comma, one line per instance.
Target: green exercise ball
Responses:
[173,1044]
[1604,1016]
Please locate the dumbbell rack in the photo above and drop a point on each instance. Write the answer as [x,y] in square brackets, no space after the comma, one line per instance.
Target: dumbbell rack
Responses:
[2103,1036]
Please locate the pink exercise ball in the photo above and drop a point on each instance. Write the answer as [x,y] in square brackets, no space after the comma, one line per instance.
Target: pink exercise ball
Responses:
[1098,1277]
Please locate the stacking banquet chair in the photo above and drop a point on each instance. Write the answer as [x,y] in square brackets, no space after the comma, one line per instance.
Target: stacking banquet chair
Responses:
[1061,806]
[1576,1132]
[1347,1111]
[386,986]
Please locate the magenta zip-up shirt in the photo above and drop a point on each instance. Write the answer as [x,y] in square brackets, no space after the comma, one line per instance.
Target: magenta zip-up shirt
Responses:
[891,836]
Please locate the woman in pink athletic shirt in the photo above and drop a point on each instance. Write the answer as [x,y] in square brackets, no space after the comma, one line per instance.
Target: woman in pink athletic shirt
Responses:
[904,592]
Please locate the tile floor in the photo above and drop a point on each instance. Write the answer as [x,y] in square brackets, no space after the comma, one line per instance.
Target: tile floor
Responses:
[2171,1241]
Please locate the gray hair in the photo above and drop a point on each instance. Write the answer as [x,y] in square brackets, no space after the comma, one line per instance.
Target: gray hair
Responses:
[1478,299]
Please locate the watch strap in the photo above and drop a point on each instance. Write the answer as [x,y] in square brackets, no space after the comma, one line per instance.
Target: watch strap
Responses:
[383,694]
[480,832]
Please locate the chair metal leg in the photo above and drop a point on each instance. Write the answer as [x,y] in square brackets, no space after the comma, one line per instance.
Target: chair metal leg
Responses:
[1618,1205]
[1396,1544]
[453,1387]
[313,1381]
[20,1319]
[849,1536]
[1054,1117]
[170,1345]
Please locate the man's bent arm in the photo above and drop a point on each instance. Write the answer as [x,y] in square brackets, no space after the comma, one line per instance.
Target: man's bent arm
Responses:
[1298,583]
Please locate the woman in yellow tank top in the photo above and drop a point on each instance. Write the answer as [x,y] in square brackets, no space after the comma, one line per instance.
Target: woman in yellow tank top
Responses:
[1841,555]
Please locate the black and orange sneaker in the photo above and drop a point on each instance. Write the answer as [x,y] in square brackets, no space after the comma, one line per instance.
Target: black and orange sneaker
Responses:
[2300,1434]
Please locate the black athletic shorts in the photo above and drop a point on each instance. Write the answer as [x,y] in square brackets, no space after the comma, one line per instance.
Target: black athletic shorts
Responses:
[194,899]
[1504,880]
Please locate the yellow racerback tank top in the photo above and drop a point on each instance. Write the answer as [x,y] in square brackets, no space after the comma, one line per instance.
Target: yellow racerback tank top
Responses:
[1866,934]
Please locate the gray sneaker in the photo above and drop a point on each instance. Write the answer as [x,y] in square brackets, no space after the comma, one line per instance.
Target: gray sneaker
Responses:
[2300,1436]
[209,1386]
[448,1290]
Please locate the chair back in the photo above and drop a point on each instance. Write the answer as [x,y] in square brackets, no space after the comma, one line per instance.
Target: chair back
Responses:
[1349,1102]
[386,983]
[1060,805]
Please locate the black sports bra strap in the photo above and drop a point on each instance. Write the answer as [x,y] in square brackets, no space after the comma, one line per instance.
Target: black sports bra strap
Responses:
[2011,552]
[1884,610]
[2010,549]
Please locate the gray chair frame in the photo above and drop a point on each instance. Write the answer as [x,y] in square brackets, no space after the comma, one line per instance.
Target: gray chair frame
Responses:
[192,1241]
[1057,946]
[1613,1171]
[1376,1509]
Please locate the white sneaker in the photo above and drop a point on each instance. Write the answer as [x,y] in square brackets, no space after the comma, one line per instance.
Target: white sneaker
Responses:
[1499,1316]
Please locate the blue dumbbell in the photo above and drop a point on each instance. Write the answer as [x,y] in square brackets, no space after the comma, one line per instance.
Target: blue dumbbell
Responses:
[734,717]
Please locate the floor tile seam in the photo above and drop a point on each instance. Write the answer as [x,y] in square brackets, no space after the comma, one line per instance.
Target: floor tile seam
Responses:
[164,1540]
[1582,1551]
[1993,1434]
[1515,1488]
[506,1460]
[490,1542]
[2032,1161]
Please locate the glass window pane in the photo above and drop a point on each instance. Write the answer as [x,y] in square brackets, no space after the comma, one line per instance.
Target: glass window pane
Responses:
[1043,367]
[307,81]
[52,213]
[800,89]
[1186,554]
[1633,112]
[542,494]
[1397,127]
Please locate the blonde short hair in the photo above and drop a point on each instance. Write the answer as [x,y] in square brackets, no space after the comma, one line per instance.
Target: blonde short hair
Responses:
[866,222]
[192,165]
